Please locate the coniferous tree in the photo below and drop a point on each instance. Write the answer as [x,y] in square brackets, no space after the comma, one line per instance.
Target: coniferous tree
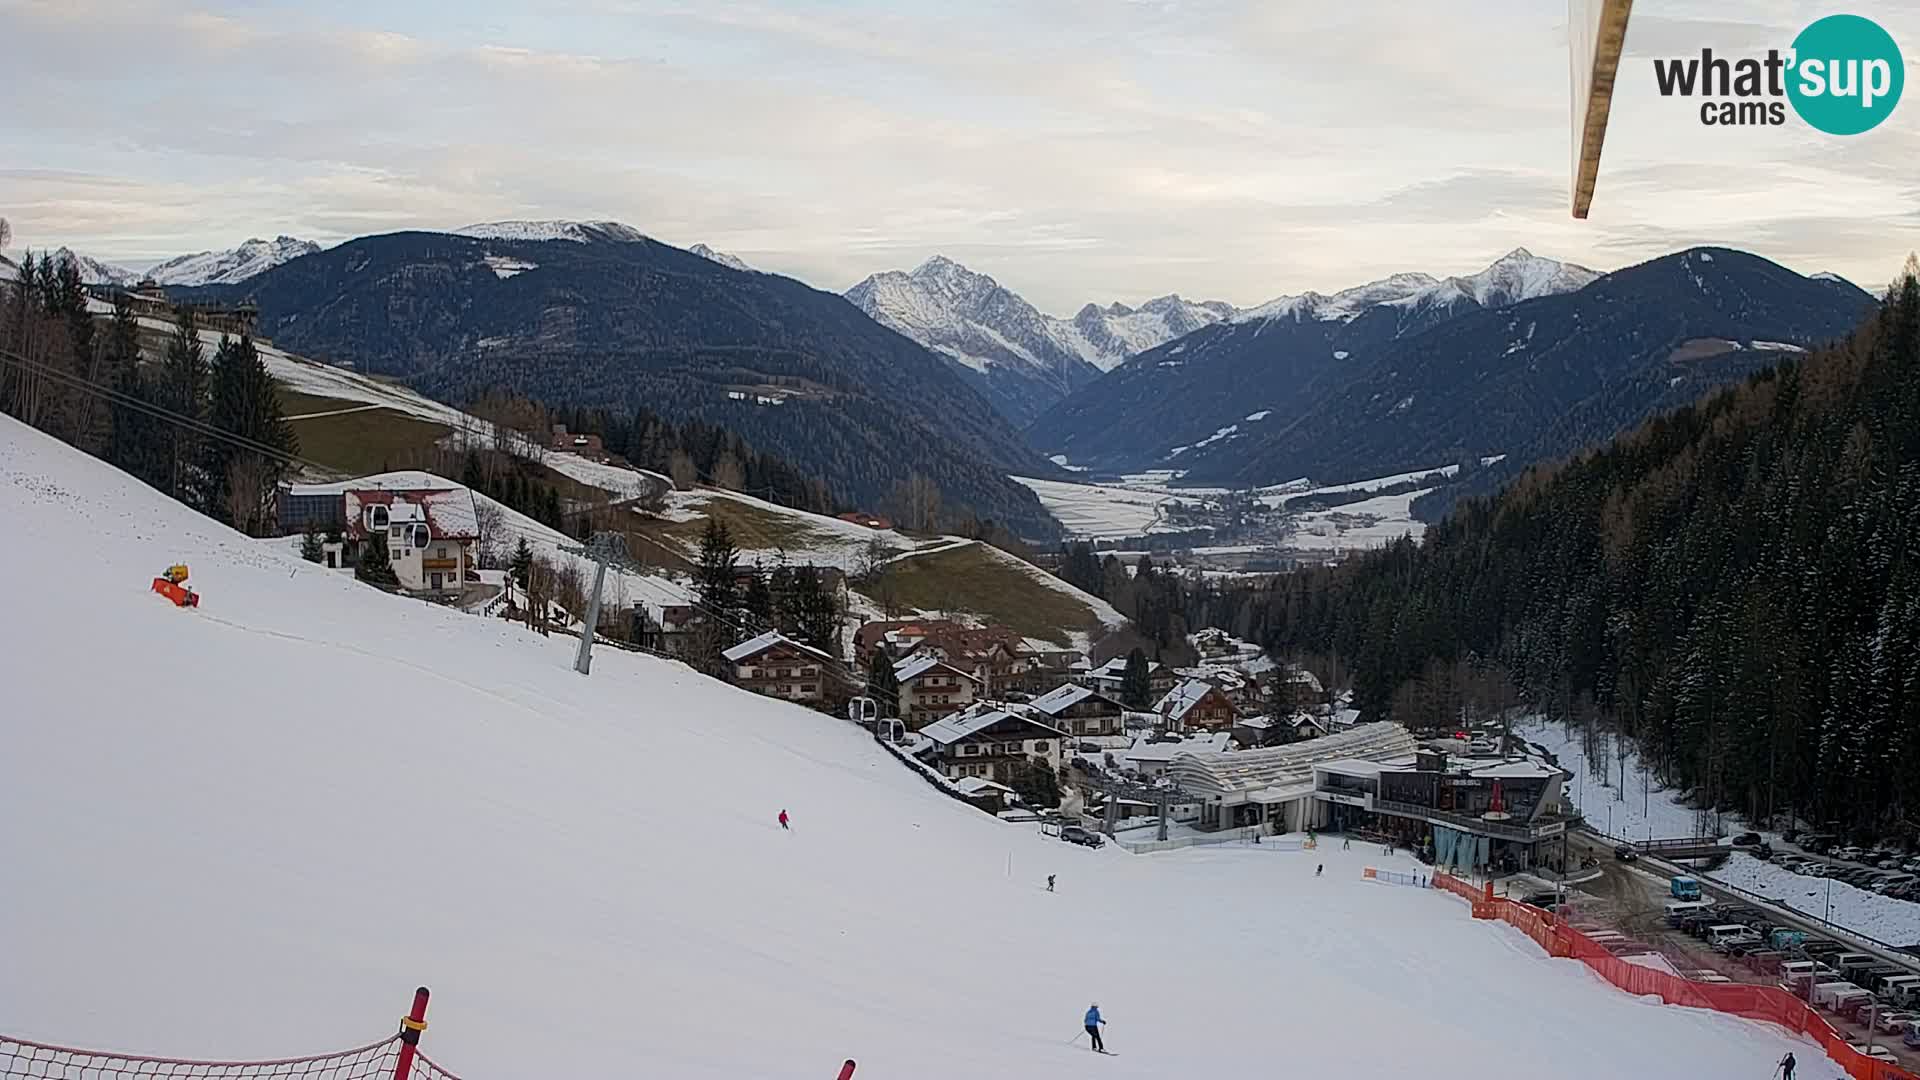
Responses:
[757,603]
[715,577]
[375,566]
[883,686]
[522,563]
[182,391]
[241,481]
[310,548]
[1136,688]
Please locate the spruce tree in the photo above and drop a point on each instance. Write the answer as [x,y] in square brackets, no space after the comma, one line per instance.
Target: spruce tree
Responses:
[757,603]
[241,482]
[310,548]
[883,686]
[375,567]
[1136,687]
[521,564]
[182,390]
[714,580]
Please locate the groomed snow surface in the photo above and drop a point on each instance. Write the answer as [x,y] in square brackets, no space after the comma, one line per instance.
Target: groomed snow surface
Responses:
[251,829]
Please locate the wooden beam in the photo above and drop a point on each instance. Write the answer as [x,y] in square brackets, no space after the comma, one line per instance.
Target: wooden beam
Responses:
[1593,76]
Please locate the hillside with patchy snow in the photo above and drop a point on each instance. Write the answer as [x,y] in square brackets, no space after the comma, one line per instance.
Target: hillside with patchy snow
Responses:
[249,830]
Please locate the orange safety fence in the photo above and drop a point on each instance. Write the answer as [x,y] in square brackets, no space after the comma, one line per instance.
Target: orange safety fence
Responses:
[1770,1004]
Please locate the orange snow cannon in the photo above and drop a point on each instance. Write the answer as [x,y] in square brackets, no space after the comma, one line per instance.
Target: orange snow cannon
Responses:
[172,584]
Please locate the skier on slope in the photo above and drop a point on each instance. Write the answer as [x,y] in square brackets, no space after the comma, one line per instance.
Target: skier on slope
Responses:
[1786,1066]
[783,820]
[1094,1020]
[1318,870]
[1049,882]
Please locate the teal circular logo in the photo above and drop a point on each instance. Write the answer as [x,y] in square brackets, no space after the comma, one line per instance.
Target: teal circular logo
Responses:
[1847,75]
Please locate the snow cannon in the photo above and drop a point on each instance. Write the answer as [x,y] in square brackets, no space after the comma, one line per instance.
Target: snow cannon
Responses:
[172,584]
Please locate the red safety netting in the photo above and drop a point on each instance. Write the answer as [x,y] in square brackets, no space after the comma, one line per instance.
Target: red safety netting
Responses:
[21,1059]
[1766,1003]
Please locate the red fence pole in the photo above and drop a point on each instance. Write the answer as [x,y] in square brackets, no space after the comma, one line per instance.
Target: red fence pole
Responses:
[846,1071]
[411,1026]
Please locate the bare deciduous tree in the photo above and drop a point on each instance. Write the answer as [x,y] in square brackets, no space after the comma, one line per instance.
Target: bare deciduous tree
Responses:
[250,494]
[570,588]
[491,523]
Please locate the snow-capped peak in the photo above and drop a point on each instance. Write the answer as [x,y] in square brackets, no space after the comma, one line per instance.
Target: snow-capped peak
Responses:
[227,267]
[579,232]
[1343,306]
[726,259]
[1518,275]
[1521,275]
[95,272]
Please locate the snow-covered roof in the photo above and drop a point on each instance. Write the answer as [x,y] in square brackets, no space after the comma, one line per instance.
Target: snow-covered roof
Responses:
[1258,723]
[754,646]
[978,785]
[1517,770]
[919,664]
[1282,793]
[1181,699]
[1251,770]
[449,511]
[1144,751]
[960,725]
[1346,718]
[1061,698]
[1358,768]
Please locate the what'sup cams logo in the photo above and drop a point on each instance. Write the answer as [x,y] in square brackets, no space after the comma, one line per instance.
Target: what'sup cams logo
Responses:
[1843,76]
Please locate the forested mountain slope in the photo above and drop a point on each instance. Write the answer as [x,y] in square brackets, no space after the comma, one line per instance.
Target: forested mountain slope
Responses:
[612,319]
[1736,584]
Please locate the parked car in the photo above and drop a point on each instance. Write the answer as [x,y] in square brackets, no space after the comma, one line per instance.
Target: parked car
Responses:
[1849,853]
[1746,839]
[1075,834]
[1763,851]
[1876,1052]
[1894,881]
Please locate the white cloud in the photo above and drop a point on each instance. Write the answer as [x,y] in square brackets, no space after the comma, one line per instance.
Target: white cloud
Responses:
[1077,149]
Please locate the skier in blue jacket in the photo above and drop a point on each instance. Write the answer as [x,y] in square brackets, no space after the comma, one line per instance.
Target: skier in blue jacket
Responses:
[1093,1027]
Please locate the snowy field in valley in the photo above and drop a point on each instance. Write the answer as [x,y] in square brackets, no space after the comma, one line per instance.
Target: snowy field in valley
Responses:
[250,829]
[1896,922]
[1637,808]
[1100,511]
[1370,523]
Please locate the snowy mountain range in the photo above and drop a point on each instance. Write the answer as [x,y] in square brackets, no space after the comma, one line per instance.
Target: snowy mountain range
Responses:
[235,265]
[95,272]
[1529,358]
[724,258]
[579,232]
[1023,359]
[1516,276]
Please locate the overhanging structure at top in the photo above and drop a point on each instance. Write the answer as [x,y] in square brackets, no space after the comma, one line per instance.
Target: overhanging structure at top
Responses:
[1596,32]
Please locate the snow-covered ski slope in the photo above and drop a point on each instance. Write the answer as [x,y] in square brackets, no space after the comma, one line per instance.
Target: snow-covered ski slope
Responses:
[251,829]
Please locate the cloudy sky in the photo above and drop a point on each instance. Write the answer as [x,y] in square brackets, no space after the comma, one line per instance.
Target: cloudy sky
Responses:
[1075,149]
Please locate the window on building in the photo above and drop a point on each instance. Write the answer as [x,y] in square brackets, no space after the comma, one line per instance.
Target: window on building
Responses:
[807,688]
[1040,747]
[971,749]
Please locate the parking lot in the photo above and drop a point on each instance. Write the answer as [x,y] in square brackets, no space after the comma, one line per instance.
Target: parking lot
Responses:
[1626,909]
